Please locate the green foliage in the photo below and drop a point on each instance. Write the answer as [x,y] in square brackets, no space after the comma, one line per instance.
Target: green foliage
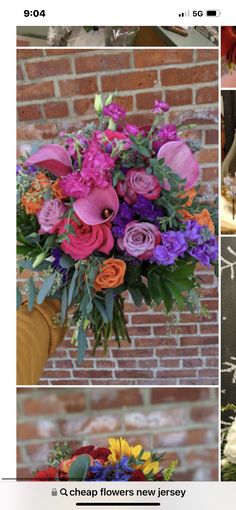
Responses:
[79,468]
[229,472]
[58,453]
[168,472]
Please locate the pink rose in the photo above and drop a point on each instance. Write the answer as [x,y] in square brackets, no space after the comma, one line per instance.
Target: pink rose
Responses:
[140,239]
[86,239]
[138,182]
[50,216]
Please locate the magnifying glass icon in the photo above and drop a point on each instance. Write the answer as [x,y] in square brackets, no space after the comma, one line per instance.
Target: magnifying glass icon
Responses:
[63,492]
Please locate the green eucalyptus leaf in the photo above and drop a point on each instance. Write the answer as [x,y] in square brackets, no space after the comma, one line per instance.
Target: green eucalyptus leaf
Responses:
[31,294]
[79,468]
[72,286]
[45,288]
[66,261]
[82,344]
[63,305]
[18,298]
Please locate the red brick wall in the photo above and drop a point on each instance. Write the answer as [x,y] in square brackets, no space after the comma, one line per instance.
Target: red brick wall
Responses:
[55,91]
[180,421]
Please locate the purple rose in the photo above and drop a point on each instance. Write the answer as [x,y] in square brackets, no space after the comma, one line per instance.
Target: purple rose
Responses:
[115,111]
[50,216]
[163,256]
[140,239]
[160,107]
[175,242]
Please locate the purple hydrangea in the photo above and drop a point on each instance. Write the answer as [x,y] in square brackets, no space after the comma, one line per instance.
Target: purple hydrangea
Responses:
[115,111]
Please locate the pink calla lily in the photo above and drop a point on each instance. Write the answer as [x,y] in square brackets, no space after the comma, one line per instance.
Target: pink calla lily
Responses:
[100,206]
[179,158]
[51,157]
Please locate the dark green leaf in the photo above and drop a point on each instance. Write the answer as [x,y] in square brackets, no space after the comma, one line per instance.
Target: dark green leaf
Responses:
[109,303]
[102,310]
[136,295]
[31,294]
[79,468]
[23,250]
[45,288]
[176,293]
[166,294]
[154,287]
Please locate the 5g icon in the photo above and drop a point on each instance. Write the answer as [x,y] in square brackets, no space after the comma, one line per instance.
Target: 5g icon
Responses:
[197,13]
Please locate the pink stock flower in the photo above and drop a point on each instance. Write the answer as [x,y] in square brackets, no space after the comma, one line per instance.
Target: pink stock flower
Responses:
[138,182]
[97,166]
[115,111]
[86,239]
[100,206]
[160,107]
[50,216]
[140,239]
[51,157]
[179,158]
[75,185]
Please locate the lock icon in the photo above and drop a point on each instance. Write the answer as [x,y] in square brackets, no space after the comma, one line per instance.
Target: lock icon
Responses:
[54,492]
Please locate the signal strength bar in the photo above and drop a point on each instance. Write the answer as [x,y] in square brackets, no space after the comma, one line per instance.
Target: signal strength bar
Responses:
[183,14]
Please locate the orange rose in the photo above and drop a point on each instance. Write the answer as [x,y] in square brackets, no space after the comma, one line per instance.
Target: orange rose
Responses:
[191,194]
[111,275]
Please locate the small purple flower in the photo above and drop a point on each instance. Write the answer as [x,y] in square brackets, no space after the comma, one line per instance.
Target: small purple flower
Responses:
[124,216]
[167,133]
[147,210]
[175,242]
[57,254]
[205,251]
[163,256]
[115,111]
[160,107]
[29,170]
[117,472]
[193,232]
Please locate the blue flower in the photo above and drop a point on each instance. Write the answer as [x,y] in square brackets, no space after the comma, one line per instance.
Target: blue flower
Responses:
[121,471]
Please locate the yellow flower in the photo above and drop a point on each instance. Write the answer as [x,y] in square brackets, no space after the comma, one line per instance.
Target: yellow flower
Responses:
[120,448]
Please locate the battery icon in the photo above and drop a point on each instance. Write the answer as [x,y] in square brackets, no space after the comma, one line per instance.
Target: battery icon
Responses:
[213,13]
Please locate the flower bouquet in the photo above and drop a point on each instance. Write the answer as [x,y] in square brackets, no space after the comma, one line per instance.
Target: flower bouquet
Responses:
[228,462]
[119,461]
[113,208]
